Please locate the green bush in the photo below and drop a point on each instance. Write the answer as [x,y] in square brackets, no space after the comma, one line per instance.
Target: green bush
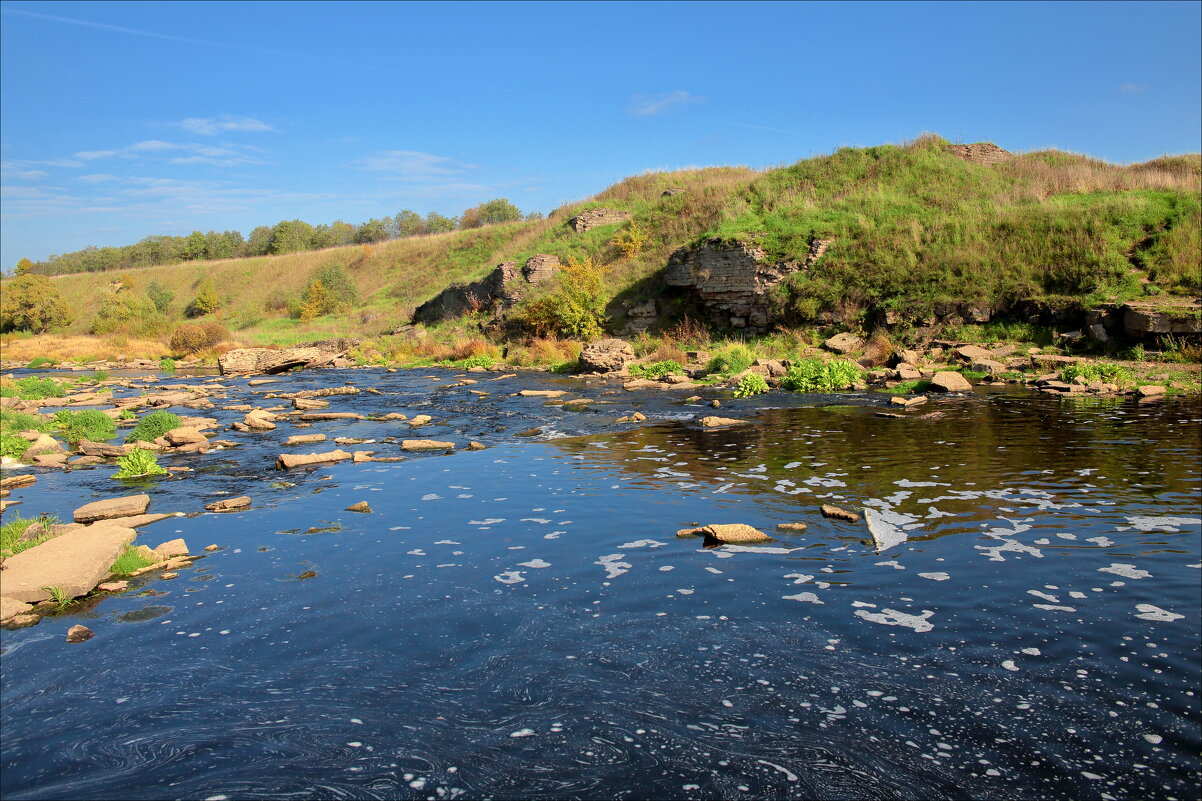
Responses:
[576,309]
[482,360]
[812,375]
[730,360]
[205,302]
[153,426]
[138,463]
[33,388]
[656,370]
[167,364]
[41,361]
[128,313]
[12,445]
[128,562]
[751,384]
[32,303]
[91,424]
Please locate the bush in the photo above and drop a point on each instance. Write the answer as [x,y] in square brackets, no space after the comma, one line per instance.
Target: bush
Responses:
[138,463]
[194,337]
[32,303]
[631,240]
[13,445]
[751,384]
[811,375]
[167,364]
[205,302]
[730,360]
[33,388]
[576,309]
[160,296]
[41,361]
[276,301]
[1106,373]
[153,426]
[91,424]
[127,313]
[656,370]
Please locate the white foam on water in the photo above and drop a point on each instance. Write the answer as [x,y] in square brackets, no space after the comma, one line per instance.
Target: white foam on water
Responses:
[1170,524]
[432,496]
[1154,739]
[488,521]
[798,578]
[644,544]
[789,775]
[1101,542]
[1044,596]
[613,564]
[1054,608]
[885,527]
[757,549]
[1032,652]
[1125,570]
[806,597]
[891,617]
[905,482]
[535,563]
[1009,665]
[934,576]
[1150,612]
[890,563]
[542,520]
[510,577]
[522,733]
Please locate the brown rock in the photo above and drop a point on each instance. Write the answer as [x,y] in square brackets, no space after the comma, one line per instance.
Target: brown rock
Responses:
[45,444]
[301,439]
[11,607]
[793,528]
[74,562]
[259,420]
[539,393]
[839,514]
[305,404]
[212,548]
[16,482]
[113,586]
[971,353]
[170,550]
[844,344]
[605,355]
[725,533]
[713,421]
[312,416]
[79,633]
[358,457]
[229,504]
[1150,390]
[361,506]
[168,576]
[948,381]
[185,435]
[288,461]
[426,445]
[112,507]
[476,446]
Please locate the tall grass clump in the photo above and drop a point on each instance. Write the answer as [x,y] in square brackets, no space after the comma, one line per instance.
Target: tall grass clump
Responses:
[129,562]
[90,424]
[730,359]
[153,426]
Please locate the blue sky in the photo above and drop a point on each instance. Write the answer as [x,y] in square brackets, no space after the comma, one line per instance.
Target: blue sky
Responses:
[121,120]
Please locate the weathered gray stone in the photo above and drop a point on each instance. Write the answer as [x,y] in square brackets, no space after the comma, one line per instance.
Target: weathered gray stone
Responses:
[595,218]
[112,507]
[844,343]
[1182,316]
[605,355]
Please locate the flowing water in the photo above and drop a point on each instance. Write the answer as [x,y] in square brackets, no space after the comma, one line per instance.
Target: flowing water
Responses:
[523,621]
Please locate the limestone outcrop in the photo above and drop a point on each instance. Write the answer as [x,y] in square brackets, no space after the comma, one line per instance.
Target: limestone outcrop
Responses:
[496,293]
[732,278]
[595,218]
[605,355]
[268,361]
[1141,318]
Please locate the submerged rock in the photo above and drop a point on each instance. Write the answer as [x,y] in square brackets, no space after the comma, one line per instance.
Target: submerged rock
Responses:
[713,421]
[229,504]
[426,445]
[78,633]
[722,533]
[795,528]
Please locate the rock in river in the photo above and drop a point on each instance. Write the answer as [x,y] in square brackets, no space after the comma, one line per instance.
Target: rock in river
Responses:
[949,381]
[287,461]
[426,445]
[722,533]
[78,633]
[839,514]
[229,504]
[112,507]
[361,506]
[714,421]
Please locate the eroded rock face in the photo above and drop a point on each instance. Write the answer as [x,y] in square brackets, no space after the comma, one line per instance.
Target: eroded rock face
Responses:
[594,218]
[605,355]
[1141,318]
[732,278]
[540,268]
[496,293]
[253,361]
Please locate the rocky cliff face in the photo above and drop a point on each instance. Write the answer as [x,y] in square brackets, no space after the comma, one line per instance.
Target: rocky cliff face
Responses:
[732,279]
[496,293]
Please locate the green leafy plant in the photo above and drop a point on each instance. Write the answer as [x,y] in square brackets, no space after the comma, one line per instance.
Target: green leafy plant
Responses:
[167,364]
[1090,372]
[751,384]
[126,414]
[812,375]
[730,360]
[153,426]
[12,445]
[482,360]
[128,562]
[90,424]
[656,370]
[41,361]
[93,378]
[61,600]
[34,388]
[138,463]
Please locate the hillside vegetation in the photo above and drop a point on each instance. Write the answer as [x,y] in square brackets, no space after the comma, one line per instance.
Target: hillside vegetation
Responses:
[910,226]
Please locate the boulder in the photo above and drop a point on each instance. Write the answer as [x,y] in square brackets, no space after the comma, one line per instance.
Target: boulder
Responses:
[725,533]
[970,353]
[844,344]
[1150,390]
[249,361]
[112,507]
[301,439]
[361,506]
[605,356]
[74,562]
[287,461]
[306,404]
[791,528]
[185,435]
[78,633]
[229,504]
[426,445]
[949,381]
[44,445]
[170,550]
[839,514]
[420,420]
[988,366]
[259,420]
[713,421]
[11,607]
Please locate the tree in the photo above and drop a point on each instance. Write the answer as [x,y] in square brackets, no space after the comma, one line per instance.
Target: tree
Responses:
[205,302]
[160,296]
[23,266]
[408,223]
[438,224]
[374,231]
[259,243]
[196,246]
[499,211]
[290,236]
[31,302]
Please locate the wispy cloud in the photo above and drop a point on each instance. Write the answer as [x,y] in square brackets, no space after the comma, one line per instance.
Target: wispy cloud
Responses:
[1129,87]
[224,155]
[14,171]
[649,105]
[412,165]
[97,178]
[209,126]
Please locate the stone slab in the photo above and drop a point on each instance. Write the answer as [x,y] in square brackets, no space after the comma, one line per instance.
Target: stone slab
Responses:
[76,562]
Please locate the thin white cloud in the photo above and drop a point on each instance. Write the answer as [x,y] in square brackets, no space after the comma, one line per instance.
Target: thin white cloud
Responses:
[226,155]
[412,165]
[649,105]
[1129,87]
[93,155]
[12,171]
[209,126]
[97,178]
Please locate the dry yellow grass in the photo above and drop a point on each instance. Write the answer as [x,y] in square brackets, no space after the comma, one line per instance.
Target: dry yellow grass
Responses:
[78,348]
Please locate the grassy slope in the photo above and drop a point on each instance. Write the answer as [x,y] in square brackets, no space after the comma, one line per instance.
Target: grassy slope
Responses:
[912,225]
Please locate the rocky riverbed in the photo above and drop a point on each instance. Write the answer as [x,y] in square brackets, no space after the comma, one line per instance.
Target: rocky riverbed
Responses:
[462,584]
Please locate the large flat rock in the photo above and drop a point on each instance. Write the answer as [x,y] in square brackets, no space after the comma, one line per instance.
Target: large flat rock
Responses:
[112,507]
[75,562]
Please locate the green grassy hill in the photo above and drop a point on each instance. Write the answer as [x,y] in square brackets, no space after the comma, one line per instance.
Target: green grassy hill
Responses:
[910,226]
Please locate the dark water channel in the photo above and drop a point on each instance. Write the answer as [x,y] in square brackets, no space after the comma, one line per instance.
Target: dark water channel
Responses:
[522,621]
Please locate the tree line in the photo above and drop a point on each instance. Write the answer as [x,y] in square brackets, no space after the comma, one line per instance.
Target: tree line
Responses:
[286,236]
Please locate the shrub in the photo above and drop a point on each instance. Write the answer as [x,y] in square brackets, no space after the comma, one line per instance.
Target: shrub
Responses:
[205,302]
[12,445]
[812,375]
[276,301]
[1106,373]
[167,364]
[91,424]
[631,240]
[41,361]
[751,384]
[138,463]
[575,309]
[194,337]
[656,370]
[35,388]
[153,426]
[32,303]
[730,360]
[127,313]
[160,296]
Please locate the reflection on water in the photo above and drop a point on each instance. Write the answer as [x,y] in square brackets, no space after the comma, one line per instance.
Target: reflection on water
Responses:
[522,622]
